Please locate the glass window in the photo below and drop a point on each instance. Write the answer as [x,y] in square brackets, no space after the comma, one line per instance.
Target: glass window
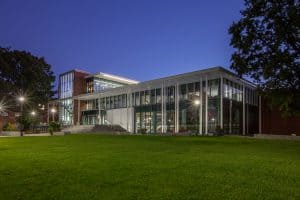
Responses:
[111,102]
[137,122]
[197,88]
[107,103]
[115,101]
[158,122]
[66,85]
[152,98]
[142,96]
[147,97]
[124,100]
[137,98]
[183,92]
[170,94]
[213,88]
[158,95]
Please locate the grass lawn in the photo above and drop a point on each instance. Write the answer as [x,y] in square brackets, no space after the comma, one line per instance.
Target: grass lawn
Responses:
[148,167]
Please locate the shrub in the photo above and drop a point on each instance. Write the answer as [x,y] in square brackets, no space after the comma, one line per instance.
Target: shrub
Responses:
[26,122]
[54,127]
[9,127]
[219,130]
[142,130]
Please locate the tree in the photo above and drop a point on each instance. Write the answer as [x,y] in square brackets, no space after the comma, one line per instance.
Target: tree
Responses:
[21,72]
[267,43]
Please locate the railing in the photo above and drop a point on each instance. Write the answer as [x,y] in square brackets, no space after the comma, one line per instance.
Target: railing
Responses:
[39,129]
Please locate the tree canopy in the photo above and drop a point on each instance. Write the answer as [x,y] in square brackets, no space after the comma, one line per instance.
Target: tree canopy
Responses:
[23,73]
[267,49]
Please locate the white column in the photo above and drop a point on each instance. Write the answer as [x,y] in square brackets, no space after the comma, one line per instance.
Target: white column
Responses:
[259,113]
[221,102]
[244,114]
[78,112]
[177,109]
[162,109]
[165,110]
[230,116]
[206,106]
[128,101]
[48,111]
[200,109]
[99,110]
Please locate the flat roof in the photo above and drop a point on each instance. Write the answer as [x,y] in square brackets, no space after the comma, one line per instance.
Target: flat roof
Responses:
[185,77]
[111,77]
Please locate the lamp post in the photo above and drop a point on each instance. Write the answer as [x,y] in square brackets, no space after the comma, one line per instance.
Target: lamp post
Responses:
[21,99]
[53,111]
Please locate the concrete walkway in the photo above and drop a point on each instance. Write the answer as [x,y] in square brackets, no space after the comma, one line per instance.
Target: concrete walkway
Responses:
[277,137]
[35,135]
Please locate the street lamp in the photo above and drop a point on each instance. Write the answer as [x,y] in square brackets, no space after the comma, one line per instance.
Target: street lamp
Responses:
[53,111]
[33,113]
[21,99]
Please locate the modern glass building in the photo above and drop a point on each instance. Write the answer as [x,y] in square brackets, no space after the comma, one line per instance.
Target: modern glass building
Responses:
[200,102]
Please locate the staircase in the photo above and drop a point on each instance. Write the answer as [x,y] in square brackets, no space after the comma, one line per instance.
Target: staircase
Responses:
[108,129]
[78,129]
[94,129]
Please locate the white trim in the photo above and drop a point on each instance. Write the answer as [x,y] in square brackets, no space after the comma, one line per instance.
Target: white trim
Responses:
[221,102]
[177,108]
[99,111]
[162,108]
[200,109]
[206,106]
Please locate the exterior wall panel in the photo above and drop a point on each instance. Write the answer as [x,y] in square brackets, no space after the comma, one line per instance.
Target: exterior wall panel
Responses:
[274,123]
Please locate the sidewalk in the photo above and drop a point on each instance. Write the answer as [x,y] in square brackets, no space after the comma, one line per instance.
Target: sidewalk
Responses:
[34,135]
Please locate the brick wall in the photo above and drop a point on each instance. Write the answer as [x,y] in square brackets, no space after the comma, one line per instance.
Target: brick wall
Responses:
[274,123]
[79,88]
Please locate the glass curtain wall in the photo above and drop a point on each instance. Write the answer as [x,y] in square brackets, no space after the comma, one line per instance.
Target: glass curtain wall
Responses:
[148,114]
[65,93]
[213,109]
[189,109]
[90,114]
[170,109]
[233,108]
[66,111]
[147,111]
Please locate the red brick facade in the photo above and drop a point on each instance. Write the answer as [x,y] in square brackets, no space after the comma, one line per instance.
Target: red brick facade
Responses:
[78,88]
[274,123]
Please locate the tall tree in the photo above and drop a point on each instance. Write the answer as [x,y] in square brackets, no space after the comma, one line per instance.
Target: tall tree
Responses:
[22,72]
[267,43]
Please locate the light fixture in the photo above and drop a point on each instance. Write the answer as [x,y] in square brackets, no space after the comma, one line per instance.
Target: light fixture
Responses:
[21,99]
[118,78]
[53,110]
[197,102]
[33,113]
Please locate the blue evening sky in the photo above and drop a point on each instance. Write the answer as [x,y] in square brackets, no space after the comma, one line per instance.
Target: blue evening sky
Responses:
[141,39]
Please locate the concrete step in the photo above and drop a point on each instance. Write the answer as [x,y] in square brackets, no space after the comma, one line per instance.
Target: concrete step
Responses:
[78,129]
[108,128]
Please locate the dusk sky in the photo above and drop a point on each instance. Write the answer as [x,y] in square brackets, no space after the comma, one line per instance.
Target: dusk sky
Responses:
[142,39]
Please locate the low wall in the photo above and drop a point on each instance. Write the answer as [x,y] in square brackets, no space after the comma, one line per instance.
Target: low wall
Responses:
[17,133]
[280,137]
[10,133]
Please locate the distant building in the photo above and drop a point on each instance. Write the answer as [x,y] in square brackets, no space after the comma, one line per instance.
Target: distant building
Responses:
[201,102]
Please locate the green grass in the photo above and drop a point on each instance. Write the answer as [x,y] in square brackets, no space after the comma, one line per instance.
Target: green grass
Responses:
[148,167]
